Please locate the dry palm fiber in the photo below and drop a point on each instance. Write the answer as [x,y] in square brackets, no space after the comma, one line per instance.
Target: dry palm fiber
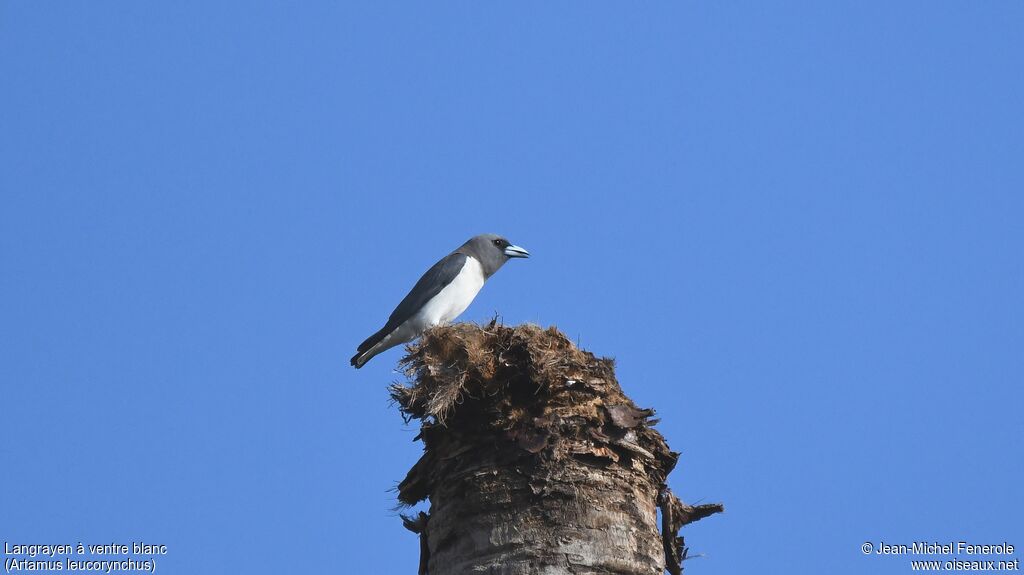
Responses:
[523,431]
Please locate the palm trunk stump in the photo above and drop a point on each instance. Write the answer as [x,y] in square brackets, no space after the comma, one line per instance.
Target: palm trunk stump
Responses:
[534,460]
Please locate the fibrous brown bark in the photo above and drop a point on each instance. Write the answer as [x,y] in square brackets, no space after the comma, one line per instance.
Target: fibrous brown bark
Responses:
[534,460]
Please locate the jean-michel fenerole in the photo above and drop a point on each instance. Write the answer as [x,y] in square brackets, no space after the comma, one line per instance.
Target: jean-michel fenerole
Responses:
[937,548]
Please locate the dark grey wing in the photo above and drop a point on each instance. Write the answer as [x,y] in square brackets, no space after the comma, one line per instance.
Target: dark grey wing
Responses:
[441,274]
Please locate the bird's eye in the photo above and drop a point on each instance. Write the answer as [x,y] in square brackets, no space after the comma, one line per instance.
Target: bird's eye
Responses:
[497,243]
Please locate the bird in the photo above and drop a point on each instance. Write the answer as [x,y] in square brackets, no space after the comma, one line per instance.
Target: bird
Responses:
[442,294]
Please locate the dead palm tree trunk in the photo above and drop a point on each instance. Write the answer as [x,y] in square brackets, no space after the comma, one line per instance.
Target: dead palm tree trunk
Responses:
[534,460]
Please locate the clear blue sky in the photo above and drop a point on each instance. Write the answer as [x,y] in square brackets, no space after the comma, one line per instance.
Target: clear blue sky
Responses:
[798,227]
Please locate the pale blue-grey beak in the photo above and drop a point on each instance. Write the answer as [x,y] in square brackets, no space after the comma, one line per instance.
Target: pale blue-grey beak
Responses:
[516,252]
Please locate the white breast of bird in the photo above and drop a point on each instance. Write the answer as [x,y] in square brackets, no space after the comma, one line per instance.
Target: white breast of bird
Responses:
[455,297]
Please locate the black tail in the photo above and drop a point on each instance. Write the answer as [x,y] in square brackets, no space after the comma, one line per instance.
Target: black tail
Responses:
[367,346]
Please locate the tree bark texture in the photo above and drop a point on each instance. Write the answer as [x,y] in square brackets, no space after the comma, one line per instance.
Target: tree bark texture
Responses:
[534,462]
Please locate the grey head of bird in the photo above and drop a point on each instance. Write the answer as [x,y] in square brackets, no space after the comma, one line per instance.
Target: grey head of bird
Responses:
[492,251]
